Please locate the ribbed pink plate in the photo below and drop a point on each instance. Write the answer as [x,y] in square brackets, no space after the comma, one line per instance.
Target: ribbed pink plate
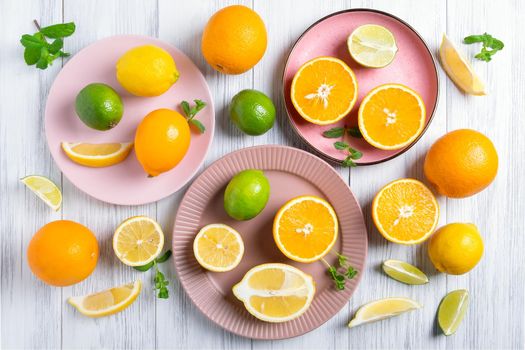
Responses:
[291,172]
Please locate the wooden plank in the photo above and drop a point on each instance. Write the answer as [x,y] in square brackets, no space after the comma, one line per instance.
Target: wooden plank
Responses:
[30,310]
[134,327]
[179,323]
[417,329]
[496,285]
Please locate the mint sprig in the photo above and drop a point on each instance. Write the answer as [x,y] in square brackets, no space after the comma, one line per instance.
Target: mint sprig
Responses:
[490,47]
[160,283]
[340,278]
[39,51]
[191,112]
[352,153]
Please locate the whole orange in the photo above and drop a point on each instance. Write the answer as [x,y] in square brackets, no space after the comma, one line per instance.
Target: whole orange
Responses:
[461,163]
[234,39]
[63,253]
[161,141]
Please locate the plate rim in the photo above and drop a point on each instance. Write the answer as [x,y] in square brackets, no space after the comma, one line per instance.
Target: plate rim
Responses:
[211,129]
[178,219]
[283,86]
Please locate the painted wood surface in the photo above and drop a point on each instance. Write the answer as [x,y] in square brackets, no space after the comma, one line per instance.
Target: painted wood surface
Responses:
[34,315]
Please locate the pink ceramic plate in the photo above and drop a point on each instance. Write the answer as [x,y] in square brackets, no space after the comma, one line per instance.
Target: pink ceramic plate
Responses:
[125,183]
[291,173]
[413,66]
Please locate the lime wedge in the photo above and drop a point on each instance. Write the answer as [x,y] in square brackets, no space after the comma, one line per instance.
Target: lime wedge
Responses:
[380,309]
[452,309]
[372,46]
[45,189]
[404,272]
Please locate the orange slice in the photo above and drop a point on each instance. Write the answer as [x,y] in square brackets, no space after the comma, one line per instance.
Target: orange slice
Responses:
[97,154]
[324,90]
[391,116]
[405,211]
[305,228]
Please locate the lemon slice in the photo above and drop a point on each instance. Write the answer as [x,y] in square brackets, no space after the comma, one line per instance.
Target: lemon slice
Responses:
[138,240]
[218,247]
[452,310]
[97,155]
[107,302]
[404,272]
[372,46]
[380,309]
[275,292]
[45,189]
[459,69]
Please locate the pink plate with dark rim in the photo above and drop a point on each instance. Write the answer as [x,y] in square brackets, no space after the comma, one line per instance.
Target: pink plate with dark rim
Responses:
[291,172]
[413,66]
[124,183]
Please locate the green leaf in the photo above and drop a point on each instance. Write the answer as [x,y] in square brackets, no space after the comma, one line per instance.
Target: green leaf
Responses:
[186,108]
[55,46]
[355,132]
[341,259]
[64,54]
[43,61]
[199,105]
[341,145]
[31,55]
[488,41]
[334,133]
[198,125]
[144,268]
[355,154]
[61,30]
[497,44]
[164,257]
[471,39]
[30,41]
[163,293]
[348,162]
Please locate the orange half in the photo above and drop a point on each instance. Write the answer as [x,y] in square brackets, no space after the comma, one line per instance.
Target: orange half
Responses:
[324,90]
[405,211]
[305,228]
[391,116]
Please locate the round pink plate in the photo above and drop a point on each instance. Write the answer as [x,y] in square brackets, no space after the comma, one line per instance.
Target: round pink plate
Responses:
[291,173]
[413,66]
[124,183]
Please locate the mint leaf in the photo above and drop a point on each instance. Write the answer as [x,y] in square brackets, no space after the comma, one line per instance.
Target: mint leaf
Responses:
[348,162]
[354,154]
[31,55]
[186,108]
[144,268]
[164,257]
[489,42]
[30,41]
[43,61]
[334,133]
[341,145]
[198,125]
[354,132]
[61,30]
[56,46]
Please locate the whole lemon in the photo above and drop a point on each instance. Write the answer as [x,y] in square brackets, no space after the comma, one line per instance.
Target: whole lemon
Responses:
[456,248]
[63,253]
[147,71]
[461,163]
[234,39]
[161,141]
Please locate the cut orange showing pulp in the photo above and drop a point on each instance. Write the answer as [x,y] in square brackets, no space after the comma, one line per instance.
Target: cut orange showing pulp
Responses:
[391,116]
[324,90]
[405,211]
[305,228]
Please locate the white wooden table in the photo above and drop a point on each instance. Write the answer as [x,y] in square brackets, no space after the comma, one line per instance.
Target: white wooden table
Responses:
[34,315]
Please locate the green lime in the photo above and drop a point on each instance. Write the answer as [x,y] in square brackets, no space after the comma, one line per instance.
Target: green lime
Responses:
[253,112]
[246,194]
[404,272]
[99,106]
[452,309]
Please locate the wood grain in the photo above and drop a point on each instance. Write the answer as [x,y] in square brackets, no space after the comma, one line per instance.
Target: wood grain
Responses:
[33,315]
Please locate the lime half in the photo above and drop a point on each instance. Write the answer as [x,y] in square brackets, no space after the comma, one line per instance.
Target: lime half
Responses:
[452,310]
[45,189]
[372,46]
[404,272]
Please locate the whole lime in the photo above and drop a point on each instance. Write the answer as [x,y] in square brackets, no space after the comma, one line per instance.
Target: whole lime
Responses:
[99,106]
[246,194]
[253,112]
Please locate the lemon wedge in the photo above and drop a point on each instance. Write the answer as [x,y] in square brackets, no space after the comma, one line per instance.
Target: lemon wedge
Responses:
[275,292]
[97,155]
[218,247]
[45,189]
[459,69]
[138,240]
[452,310]
[372,46]
[380,309]
[107,302]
